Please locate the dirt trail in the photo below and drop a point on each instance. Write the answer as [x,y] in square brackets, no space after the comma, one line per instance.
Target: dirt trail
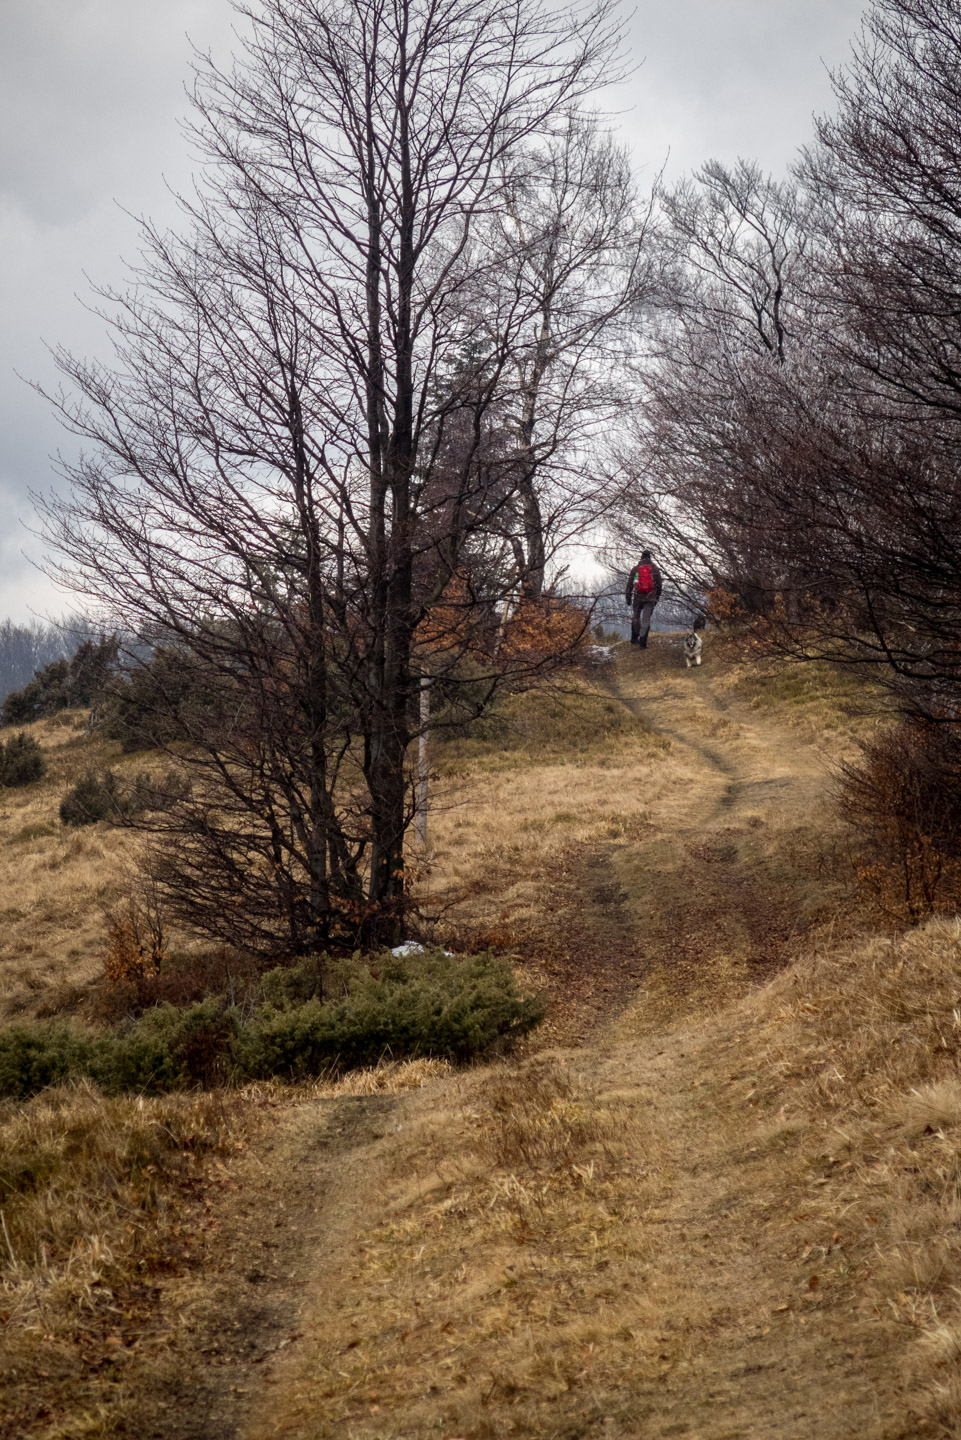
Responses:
[754,1338]
[288,1211]
[703,903]
[773,1344]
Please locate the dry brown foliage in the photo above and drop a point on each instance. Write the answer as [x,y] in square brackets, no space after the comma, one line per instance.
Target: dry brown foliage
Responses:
[902,800]
[539,631]
[136,946]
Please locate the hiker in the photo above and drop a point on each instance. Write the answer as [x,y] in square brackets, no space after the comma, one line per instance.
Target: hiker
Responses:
[642,594]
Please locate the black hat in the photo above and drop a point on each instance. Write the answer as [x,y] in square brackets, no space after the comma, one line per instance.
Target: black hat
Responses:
[645,554]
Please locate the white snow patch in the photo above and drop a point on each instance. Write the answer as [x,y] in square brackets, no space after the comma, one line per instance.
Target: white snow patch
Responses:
[414,947]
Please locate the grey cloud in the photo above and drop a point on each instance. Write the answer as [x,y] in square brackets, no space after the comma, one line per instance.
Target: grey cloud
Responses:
[90,94]
[736,78]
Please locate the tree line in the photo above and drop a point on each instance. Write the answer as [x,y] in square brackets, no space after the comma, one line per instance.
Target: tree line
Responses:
[797,450]
[26,648]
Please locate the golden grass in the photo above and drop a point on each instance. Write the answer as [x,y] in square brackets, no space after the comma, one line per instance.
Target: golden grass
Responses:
[104,1201]
[83,1179]
[556,1245]
[814,697]
[564,724]
[96,1205]
[500,817]
[487,1291]
[857,1049]
[56,882]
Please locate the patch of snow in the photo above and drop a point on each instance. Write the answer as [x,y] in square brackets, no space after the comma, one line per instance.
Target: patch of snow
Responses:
[414,947]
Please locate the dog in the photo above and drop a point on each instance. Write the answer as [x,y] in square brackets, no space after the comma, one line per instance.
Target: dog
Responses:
[693,645]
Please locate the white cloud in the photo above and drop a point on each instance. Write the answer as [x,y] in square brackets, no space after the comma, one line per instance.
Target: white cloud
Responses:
[90,93]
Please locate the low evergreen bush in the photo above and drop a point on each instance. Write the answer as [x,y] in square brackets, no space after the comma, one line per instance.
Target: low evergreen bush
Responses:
[34,1056]
[291,985]
[93,798]
[21,762]
[430,1004]
[167,1049]
[105,797]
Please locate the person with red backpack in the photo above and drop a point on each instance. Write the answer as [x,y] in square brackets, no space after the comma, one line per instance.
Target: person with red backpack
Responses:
[642,594]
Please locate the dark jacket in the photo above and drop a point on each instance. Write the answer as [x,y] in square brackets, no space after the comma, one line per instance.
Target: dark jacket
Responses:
[658,582]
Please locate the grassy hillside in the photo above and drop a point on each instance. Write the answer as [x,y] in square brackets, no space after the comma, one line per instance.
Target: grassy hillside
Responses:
[715,1194]
[56,882]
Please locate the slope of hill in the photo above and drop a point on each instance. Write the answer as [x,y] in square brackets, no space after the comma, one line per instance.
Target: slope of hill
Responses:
[715,1197]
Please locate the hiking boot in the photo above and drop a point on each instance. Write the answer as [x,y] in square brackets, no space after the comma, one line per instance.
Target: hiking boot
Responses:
[642,641]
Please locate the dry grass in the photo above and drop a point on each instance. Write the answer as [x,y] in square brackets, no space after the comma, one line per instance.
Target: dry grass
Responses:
[858,1049]
[557,1245]
[56,882]
[579,769]
[85,1184]
[504,1282]
[570,723]
[555,769]
[819,700]
[104,1202]
[97,1204]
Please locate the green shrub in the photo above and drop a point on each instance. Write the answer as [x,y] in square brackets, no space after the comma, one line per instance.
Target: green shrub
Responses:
[64,684]
[291,985]
[167,1049]
[105,797]
[93,798]
[430,1004]
[32,1057]
[21,762]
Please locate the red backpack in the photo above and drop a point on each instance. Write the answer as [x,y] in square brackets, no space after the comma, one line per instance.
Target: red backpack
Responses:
[644,584]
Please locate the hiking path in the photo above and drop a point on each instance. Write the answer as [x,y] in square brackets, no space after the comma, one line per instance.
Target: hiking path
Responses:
[743,1333]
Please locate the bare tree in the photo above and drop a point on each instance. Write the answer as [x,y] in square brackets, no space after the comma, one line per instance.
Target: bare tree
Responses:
[871,443]
[741,246]
[803,441]
[25,648]
[270,489]
[735,312]
[579,268]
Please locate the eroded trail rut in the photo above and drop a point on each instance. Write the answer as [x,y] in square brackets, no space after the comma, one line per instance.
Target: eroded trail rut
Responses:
[683,916]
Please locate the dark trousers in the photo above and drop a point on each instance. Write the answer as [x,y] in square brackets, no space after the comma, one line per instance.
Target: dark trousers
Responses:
[641,612]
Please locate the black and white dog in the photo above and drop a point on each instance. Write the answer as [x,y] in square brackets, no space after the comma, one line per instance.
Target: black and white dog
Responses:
[693,645]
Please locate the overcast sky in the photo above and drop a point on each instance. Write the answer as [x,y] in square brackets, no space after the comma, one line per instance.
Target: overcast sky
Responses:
[90,96]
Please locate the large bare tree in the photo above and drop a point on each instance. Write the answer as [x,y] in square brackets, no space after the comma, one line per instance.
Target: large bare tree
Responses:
[271,487]
[582,270]
[734,315]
